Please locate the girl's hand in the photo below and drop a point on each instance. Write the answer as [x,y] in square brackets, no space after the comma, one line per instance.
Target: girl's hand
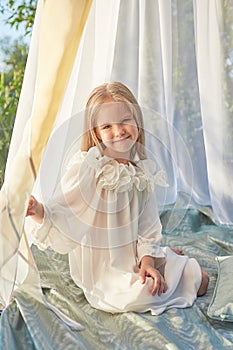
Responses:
[147,270]
[31,206]
[35,209]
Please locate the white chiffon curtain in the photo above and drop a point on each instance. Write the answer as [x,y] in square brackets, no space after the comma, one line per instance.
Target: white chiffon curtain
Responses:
[173,55]
[176,56]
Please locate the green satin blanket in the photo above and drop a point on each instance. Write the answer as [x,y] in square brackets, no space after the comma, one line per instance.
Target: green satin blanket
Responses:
[36,327]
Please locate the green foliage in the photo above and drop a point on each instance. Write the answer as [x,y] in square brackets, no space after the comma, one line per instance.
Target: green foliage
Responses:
[21,12]
[17,14]
[10,86]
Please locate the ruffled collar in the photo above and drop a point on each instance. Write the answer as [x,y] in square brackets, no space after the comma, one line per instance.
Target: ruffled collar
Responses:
[112,175]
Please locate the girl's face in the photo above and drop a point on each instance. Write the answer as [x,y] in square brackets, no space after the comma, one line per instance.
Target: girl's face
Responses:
[116,128]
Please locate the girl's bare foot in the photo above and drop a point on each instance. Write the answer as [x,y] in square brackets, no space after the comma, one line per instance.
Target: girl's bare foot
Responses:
[1,308]
[178,251]
[204,283]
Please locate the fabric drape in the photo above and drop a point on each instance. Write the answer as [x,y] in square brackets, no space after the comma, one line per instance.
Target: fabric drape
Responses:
[175,56]
[215,82]
[58,29]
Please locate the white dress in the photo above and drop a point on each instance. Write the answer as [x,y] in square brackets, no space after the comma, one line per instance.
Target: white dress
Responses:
[105,216]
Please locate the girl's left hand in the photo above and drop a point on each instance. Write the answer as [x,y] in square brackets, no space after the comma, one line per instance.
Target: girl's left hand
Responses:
[147,270]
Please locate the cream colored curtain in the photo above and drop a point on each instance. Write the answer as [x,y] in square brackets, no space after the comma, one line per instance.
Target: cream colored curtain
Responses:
[58,29]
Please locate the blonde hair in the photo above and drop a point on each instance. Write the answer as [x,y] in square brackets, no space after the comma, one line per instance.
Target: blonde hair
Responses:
[119,93]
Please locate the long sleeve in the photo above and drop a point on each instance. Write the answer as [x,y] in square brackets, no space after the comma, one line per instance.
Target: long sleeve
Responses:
[48,235]
[150,228]
[54,231]
[71,212]
[149,233]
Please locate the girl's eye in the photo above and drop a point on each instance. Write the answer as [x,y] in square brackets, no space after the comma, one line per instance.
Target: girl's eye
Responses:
[126,120]
[106,127]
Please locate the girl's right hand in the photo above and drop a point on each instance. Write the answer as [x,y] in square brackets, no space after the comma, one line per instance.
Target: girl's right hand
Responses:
[35,210]
[31,206]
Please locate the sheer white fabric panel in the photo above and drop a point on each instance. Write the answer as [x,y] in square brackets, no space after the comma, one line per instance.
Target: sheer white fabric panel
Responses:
[25,105]
[170,53]
[212,77]
[91,68]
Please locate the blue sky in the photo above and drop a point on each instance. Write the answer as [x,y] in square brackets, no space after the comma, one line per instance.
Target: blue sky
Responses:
[7,31]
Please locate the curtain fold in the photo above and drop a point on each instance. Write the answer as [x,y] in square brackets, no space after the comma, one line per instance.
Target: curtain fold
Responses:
[60,28]
[210,40]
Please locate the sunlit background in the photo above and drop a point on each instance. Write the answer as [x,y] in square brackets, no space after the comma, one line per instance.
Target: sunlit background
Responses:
[16,19]
[9,34]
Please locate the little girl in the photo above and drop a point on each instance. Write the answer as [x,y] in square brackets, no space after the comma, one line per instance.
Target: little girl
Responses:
[106,216]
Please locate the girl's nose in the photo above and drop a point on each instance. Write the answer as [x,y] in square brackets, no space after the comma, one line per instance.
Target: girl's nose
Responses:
[119,130]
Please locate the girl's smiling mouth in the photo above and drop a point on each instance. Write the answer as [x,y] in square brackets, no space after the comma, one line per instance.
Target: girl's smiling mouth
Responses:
[122,139]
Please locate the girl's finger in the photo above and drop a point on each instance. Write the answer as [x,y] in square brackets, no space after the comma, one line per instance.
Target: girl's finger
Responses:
[156,285]
[159,286]
[30,213]
[142,276]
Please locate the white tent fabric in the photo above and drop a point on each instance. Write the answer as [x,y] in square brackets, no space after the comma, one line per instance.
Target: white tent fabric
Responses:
[176,70]
[172,55]
[211,60]
[58,30]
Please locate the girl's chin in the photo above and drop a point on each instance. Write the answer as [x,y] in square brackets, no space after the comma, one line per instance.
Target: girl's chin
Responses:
[120,146]
[118,152]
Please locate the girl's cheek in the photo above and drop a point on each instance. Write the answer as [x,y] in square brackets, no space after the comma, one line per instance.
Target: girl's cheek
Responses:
[106,136]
